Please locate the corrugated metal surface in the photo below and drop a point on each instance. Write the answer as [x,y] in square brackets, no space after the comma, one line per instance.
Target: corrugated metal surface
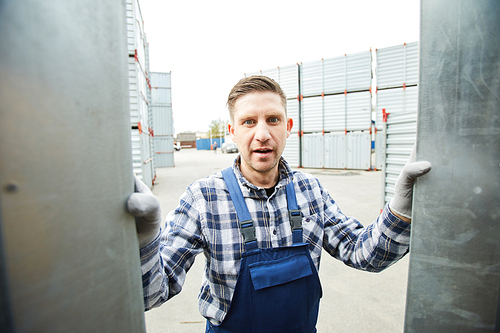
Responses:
[162,119]
[313,150]
[292,111]
[335,150]
[358,150]
[312,114]
[397,66]
[146,159]
[273,73]
[136,152]
[164,155]
[138,89]
[396,100]
[161,80]
[135,28]
[161,95]
[379,149]
[401,136]
[359,71]
[291,152]
[152,165]
[311,78]
[334,75]
[289,80]
[358,115]
[334,112]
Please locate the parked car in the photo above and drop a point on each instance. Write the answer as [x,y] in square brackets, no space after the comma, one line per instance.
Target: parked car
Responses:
[230,147]
[177,146]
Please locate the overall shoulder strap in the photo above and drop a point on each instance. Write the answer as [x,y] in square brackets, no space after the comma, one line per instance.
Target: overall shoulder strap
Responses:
[294,213]
[247,228]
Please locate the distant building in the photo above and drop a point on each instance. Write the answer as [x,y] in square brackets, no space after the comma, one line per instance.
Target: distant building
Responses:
[187,139]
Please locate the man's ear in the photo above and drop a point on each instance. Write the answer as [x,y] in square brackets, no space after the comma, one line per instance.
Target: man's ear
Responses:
[230,128]
[289,125]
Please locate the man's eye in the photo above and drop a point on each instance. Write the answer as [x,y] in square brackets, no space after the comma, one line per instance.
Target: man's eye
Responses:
[273,120]
[248,122]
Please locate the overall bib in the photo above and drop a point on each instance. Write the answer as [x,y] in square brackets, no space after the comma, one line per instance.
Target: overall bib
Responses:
[278,289]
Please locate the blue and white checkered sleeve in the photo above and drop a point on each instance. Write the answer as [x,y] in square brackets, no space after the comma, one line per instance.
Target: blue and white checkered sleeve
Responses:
[168,258]
[372,248]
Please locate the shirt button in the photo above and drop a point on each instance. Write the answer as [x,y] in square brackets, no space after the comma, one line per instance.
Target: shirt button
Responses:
[274,232]
[307,219]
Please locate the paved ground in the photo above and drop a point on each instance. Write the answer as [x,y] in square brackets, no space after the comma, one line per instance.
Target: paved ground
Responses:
[353,301]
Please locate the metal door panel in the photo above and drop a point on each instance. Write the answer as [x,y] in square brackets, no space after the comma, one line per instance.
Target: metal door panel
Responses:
[335,150]
[312,150]
[454,275]
[72,256]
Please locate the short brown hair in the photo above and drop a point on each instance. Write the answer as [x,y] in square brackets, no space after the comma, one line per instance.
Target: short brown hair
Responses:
[251,84]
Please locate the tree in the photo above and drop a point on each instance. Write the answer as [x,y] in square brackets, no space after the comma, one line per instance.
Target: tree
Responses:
[217,129]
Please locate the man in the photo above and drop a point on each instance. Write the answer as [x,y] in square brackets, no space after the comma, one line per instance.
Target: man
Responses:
[262,228]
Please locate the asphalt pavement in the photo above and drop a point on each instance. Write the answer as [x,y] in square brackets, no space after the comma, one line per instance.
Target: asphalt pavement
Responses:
[353,301]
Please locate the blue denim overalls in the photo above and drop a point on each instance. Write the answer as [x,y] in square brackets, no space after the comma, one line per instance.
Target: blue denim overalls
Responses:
[278,289]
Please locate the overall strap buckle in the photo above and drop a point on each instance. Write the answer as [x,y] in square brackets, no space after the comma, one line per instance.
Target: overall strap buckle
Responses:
[295,217]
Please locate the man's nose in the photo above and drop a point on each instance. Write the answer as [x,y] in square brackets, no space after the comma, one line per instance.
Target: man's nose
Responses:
[262,132]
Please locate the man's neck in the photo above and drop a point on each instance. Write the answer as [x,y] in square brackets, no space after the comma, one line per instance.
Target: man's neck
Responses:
[260,179]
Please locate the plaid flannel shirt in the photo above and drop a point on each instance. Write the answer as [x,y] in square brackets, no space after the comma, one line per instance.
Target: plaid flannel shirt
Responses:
[205,222]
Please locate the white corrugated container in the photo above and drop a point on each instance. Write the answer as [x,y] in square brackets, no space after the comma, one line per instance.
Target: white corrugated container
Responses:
[311,78]
[289,80]
[358,114]
[334,113]
[334,76]
[292,111]
[397,66]
[161,80]
[162,119]
[396,100]
[138,93]
[273,73]
[358,150]
[135,27]
[151,120]
[291,152]
[359,71]
[335,150]
[312,114]
[400,138]
[313,150]
[161,92]
[164,155]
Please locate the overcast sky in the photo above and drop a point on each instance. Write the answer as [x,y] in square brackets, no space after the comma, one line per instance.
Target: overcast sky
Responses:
[209,45]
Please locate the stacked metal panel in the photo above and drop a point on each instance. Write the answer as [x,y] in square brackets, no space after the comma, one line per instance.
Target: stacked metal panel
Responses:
[336,100]
[161,107]
[140,94]
[397,95]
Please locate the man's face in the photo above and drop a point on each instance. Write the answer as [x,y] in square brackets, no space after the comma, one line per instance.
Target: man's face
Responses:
[260,129]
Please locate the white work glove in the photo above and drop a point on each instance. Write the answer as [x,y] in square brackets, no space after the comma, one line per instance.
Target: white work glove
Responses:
[401,203]
[146,209]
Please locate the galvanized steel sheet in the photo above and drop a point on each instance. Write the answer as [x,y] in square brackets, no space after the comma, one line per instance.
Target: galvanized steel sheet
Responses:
[397,66]
[358,114]
[313,150]
[335,113]
[312,114]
